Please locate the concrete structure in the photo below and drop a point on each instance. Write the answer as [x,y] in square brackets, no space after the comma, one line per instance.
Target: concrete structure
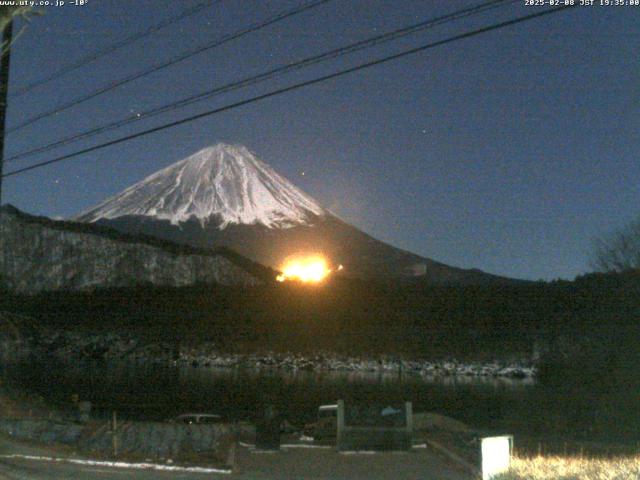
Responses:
[370,427]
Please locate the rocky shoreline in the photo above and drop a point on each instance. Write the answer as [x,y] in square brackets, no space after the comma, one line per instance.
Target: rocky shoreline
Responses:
[111,347]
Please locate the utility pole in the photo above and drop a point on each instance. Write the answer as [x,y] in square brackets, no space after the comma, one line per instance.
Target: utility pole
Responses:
[7,35]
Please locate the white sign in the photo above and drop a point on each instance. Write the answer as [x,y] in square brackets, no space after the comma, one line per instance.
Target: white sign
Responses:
[496,454]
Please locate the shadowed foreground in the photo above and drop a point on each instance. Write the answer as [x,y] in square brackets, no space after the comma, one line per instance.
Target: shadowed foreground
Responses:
[289,463]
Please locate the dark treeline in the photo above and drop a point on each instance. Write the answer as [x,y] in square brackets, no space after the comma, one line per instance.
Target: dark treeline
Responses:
[352,316]
[584,334]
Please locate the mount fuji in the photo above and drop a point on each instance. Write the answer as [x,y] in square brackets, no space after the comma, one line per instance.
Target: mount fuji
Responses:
[225,195]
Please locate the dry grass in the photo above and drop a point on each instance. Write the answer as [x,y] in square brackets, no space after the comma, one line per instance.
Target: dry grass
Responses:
[573,468]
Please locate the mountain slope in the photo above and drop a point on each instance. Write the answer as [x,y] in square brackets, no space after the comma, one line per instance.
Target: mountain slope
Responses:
[225,196]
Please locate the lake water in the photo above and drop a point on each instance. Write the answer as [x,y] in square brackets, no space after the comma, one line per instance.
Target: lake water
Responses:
[158,392]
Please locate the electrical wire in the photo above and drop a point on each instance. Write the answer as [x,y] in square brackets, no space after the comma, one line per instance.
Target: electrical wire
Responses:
[179,58]
[270,74]
[293,87]
[116,46]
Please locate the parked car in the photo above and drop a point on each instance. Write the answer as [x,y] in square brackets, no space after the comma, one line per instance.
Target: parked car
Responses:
[197,418]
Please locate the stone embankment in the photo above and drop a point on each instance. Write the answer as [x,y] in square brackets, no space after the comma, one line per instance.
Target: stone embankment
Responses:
[27,417]
[108,347]
[144,440]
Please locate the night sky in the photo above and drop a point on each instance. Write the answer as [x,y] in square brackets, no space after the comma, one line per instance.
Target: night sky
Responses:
[507,152]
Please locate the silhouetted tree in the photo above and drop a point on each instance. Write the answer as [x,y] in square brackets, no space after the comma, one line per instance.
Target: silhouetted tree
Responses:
[619,251]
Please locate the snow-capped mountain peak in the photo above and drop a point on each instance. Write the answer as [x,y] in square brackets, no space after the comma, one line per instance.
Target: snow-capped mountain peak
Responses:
[223,182]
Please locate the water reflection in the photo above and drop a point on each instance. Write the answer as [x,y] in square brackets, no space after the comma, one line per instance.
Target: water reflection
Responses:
[156,392]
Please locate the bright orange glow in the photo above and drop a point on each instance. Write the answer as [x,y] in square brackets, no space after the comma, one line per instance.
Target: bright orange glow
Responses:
[312,269]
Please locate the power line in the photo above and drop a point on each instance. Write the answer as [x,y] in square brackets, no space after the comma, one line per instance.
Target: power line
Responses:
[296,86]
[179,58]
[275,72]
[116,46]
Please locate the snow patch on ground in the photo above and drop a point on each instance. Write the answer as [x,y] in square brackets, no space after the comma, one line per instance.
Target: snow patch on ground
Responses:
[127,465]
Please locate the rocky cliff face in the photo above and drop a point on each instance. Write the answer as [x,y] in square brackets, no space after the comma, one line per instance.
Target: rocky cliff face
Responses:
[38,254]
